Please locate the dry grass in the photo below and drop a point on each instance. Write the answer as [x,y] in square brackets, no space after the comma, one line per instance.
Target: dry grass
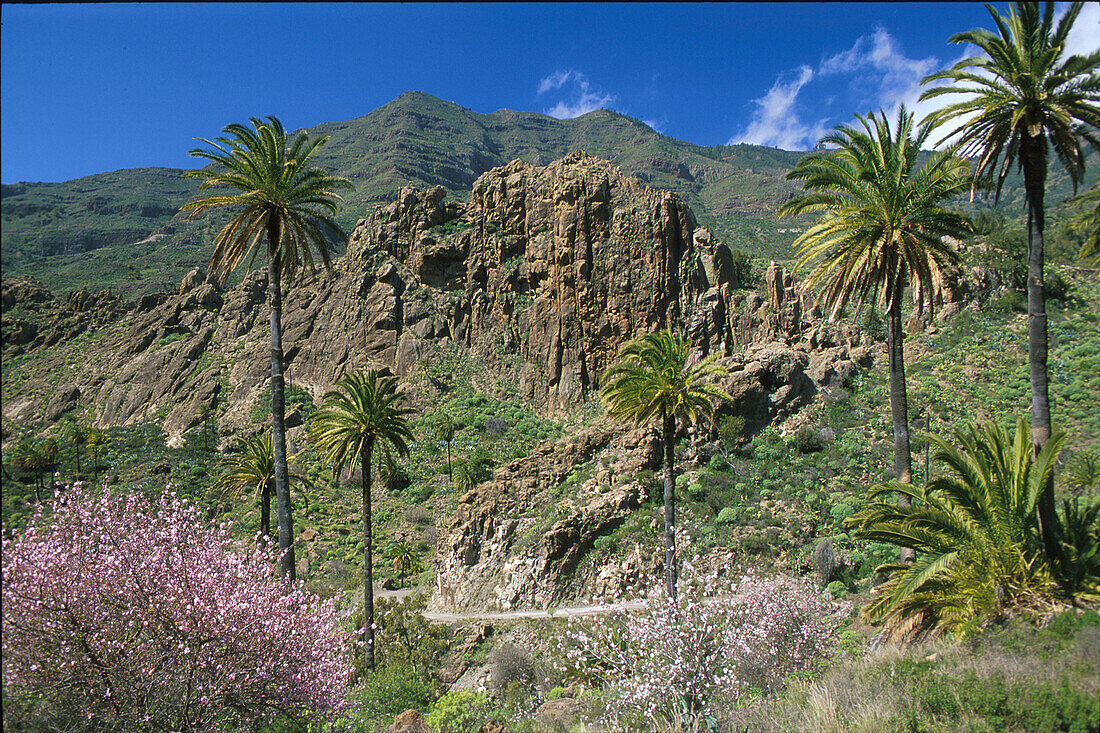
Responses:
[895,688]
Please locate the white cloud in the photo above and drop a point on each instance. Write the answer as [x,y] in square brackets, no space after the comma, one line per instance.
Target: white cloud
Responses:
[554,81]
[1083,36]
[878,66]
[774,121]
[581,98]
[656,126]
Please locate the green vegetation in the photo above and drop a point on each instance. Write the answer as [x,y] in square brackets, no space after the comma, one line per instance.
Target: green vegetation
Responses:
[975,530]
[790,500]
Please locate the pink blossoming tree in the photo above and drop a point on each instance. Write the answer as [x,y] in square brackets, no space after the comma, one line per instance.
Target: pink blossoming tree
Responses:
[137,615]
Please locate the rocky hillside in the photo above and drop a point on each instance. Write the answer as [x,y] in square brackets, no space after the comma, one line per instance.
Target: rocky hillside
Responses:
[543,275]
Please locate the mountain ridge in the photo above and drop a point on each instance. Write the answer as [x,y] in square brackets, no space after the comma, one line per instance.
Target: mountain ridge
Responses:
[123,229]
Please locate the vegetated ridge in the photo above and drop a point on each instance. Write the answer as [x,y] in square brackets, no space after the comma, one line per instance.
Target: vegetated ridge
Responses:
[123,229]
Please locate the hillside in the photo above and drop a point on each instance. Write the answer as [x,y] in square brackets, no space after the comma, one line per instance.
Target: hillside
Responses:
[123,230]
[500,312]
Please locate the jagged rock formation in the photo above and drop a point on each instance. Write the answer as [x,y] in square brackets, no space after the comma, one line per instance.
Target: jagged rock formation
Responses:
[545,273]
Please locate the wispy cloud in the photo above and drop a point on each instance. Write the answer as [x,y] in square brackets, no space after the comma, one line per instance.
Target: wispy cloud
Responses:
[885,77]
[581,97]
[554,81]
[1083,37]
[774,122]
[877,75]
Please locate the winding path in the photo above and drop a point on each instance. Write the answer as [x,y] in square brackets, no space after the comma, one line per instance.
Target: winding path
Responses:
[562,612]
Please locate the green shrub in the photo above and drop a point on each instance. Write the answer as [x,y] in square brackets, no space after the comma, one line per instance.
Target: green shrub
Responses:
[394,688]
[459,711]
[729,515]
[840,512]
[807,440]
[1011,302]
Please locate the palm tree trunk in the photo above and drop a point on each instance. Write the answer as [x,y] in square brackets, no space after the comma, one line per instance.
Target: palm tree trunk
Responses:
[278,409]
[368,564]
[265,511]
[899,403]
[1034,163]
[668,424]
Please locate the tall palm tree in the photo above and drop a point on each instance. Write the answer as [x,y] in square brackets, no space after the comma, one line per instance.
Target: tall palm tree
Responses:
[446,432]
[359,415]
[252,468]
[290,206]
[653,381]
[975,530]
[882,228]
[1023,96]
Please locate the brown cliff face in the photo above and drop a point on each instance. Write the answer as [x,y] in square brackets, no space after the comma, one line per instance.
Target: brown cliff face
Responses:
[549,270]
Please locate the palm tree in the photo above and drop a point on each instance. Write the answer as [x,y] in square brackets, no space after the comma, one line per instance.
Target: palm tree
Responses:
[975,530]
[446,432]
[35,458]
[291,207]
[355,418]
[96,440]
[77,434]
[882,228]
[1022,97]
[653,380]
[252,468]
[404,559]
[1087,222]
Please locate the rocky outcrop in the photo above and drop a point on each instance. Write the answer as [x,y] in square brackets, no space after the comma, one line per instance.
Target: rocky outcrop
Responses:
[544,274]
[498,552]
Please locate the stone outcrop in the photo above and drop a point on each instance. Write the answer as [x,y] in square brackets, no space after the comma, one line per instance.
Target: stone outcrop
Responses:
[497,552]
[544,274]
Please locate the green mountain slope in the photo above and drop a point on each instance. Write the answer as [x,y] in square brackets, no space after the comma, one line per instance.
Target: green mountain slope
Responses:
[96,231]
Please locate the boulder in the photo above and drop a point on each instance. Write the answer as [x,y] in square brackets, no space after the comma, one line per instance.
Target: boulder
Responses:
[64,399]
[559,714]
[409,721]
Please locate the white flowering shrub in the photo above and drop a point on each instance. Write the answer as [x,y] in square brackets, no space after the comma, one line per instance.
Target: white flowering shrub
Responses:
[721,641]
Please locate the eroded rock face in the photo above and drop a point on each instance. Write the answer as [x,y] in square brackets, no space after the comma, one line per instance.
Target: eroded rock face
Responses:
[556,267]
[544,274]
[496,551]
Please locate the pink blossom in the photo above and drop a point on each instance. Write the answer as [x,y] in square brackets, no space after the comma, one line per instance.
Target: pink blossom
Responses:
[145,616]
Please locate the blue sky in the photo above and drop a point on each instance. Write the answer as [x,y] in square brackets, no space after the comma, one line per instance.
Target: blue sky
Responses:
[93,88]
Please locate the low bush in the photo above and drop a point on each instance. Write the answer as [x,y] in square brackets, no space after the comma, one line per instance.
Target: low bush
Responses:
[460,711]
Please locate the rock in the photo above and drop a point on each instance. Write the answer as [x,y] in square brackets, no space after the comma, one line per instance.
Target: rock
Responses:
[409,721]
[559,714]
[63,400]
[481,560]
[493,727]
[543,274]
